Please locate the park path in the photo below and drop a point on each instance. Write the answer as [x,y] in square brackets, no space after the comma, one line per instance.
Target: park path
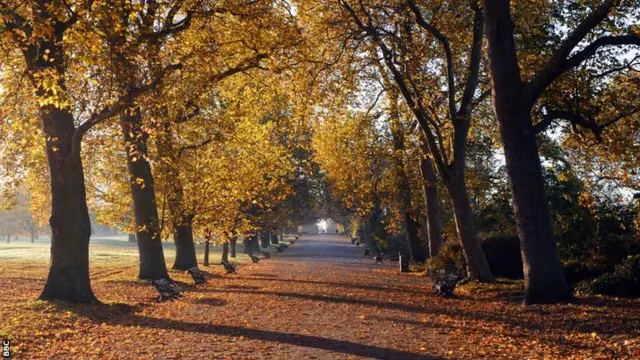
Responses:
[322,299]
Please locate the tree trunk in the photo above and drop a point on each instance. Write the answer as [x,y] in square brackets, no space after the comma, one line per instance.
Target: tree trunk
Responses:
[434,227]
[206,251]
[403,184]
[181,221]
[68,278]
[247,245]
[544,278]
[477,265]
[152,262]
[265,239]
[275,239]
[233,242]
[185,247]
[225,253]
[254,244]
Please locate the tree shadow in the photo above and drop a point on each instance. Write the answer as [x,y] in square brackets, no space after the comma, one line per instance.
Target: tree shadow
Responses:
[211,302]
[310,341]
[263,275]
[501,318]
[232,286]
[345,285]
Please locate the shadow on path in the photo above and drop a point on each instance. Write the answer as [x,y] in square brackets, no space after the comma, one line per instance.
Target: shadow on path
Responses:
[341,346]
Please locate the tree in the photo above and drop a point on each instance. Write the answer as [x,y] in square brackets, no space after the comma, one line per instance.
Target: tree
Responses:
[398,52]
[514,99]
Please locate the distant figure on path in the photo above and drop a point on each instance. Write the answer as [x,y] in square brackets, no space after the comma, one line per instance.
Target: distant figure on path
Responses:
[337,232]
[322,231]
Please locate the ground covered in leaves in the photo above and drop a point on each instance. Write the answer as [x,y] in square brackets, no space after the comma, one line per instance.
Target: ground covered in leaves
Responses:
[319,299]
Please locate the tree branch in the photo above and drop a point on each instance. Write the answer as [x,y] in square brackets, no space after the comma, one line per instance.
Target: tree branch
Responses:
[113,110]
[446,45]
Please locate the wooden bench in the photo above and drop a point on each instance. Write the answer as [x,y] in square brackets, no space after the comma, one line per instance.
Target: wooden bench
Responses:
[231,269]
[444,283]
[167,289]
[197,275]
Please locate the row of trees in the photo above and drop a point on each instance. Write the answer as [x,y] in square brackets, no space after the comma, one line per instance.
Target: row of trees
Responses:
[210,104]
[179,103]
[459,69]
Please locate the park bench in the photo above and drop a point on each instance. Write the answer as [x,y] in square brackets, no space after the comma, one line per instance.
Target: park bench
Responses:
[167,289]
[366,252]
[444,282]
[230,268]
[379,257]
[197,275]
[280,248]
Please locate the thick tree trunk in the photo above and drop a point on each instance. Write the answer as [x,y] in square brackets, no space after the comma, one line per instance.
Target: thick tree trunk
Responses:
[185,247]
[434,227]
[207,241]
[232,244]
[68,278]
[152,261]
[225,253]
[544,278]
[477,265]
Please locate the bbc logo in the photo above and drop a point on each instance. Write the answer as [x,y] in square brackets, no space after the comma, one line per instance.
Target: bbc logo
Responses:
[6,349]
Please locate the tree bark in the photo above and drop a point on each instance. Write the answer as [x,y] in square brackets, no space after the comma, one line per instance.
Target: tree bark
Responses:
[477,265]
[152,261]
[434,227]
[544,278]
[181,221]
[246,242]
[185,247]
[68,278]
[275,239]
[254,244]
[225,253]
[265,239]
[207,241]
[232,244]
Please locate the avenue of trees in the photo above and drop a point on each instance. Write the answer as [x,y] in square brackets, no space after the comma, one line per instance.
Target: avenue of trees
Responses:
[422,125]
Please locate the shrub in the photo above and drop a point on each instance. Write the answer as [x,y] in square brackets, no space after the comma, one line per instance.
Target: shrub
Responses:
[624,281]
[450,259]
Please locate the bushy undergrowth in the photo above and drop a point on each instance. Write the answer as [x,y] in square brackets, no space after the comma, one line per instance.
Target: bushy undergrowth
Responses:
[624,281]
[502,252]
